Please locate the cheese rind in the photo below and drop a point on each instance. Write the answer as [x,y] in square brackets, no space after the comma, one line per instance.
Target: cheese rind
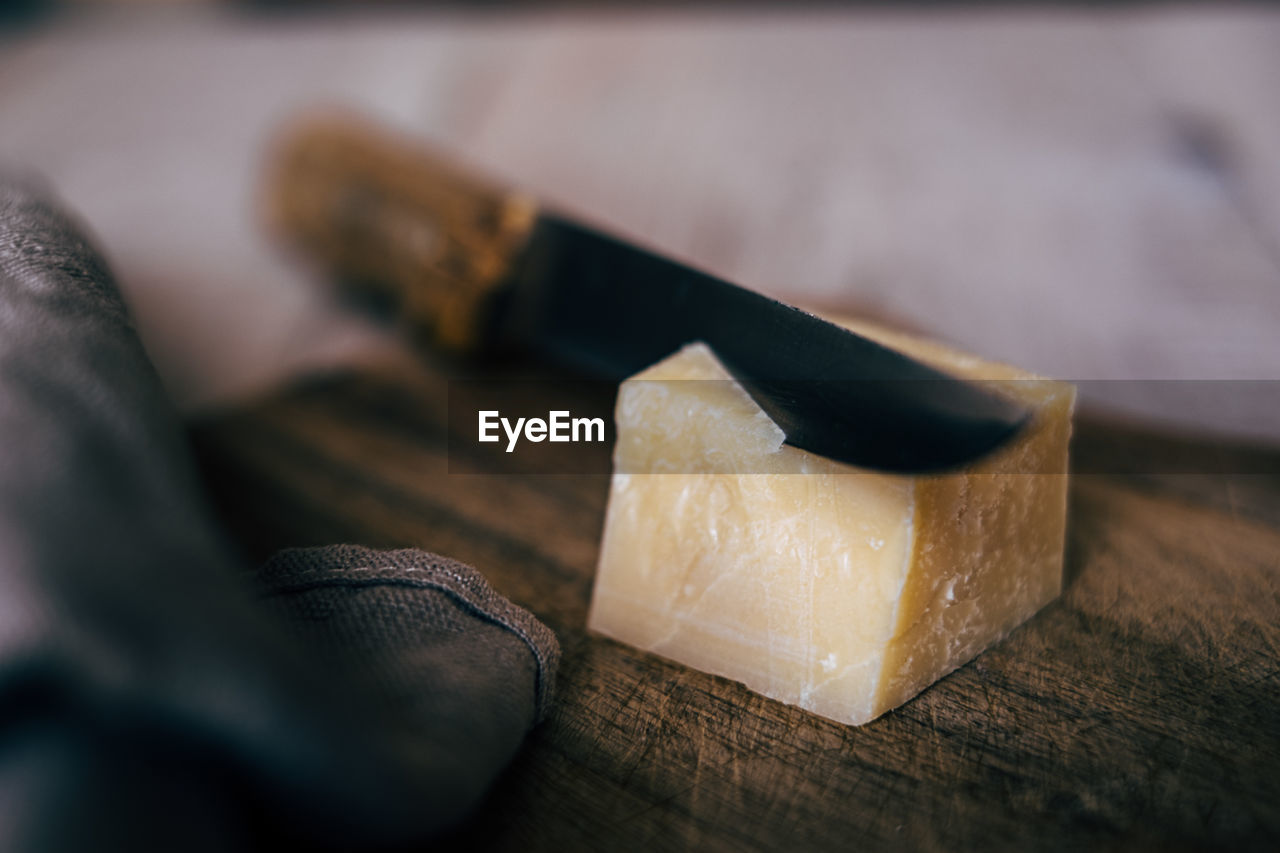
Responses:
[841,590]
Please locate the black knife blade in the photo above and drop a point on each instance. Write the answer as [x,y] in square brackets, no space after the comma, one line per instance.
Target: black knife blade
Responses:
[606,307]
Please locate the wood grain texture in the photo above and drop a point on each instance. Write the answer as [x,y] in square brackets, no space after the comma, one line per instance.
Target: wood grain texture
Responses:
[1137,712]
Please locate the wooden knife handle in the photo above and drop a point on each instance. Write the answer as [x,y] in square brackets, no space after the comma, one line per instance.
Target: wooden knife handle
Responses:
[390,215]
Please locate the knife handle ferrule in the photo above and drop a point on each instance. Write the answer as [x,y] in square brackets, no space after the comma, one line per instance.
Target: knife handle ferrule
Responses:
[394,217]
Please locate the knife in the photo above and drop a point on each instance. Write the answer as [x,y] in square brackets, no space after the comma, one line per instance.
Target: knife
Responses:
[479,267]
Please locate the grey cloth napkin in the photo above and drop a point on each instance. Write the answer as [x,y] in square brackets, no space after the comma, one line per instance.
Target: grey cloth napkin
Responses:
[153,696]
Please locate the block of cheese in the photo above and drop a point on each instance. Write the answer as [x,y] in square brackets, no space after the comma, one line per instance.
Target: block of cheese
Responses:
[838,589]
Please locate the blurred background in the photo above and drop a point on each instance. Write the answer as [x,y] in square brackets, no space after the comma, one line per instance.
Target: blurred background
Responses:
[1088,191]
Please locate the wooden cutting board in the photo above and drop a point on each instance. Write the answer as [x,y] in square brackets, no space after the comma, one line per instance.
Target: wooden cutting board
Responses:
[1139,711]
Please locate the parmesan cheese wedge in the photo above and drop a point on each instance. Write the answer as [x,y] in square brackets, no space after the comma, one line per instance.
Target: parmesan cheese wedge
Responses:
[841,590]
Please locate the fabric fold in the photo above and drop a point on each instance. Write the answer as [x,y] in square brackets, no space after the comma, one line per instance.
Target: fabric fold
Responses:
[147,695]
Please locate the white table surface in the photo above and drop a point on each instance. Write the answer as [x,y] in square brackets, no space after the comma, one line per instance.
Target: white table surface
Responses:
[1091,195]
